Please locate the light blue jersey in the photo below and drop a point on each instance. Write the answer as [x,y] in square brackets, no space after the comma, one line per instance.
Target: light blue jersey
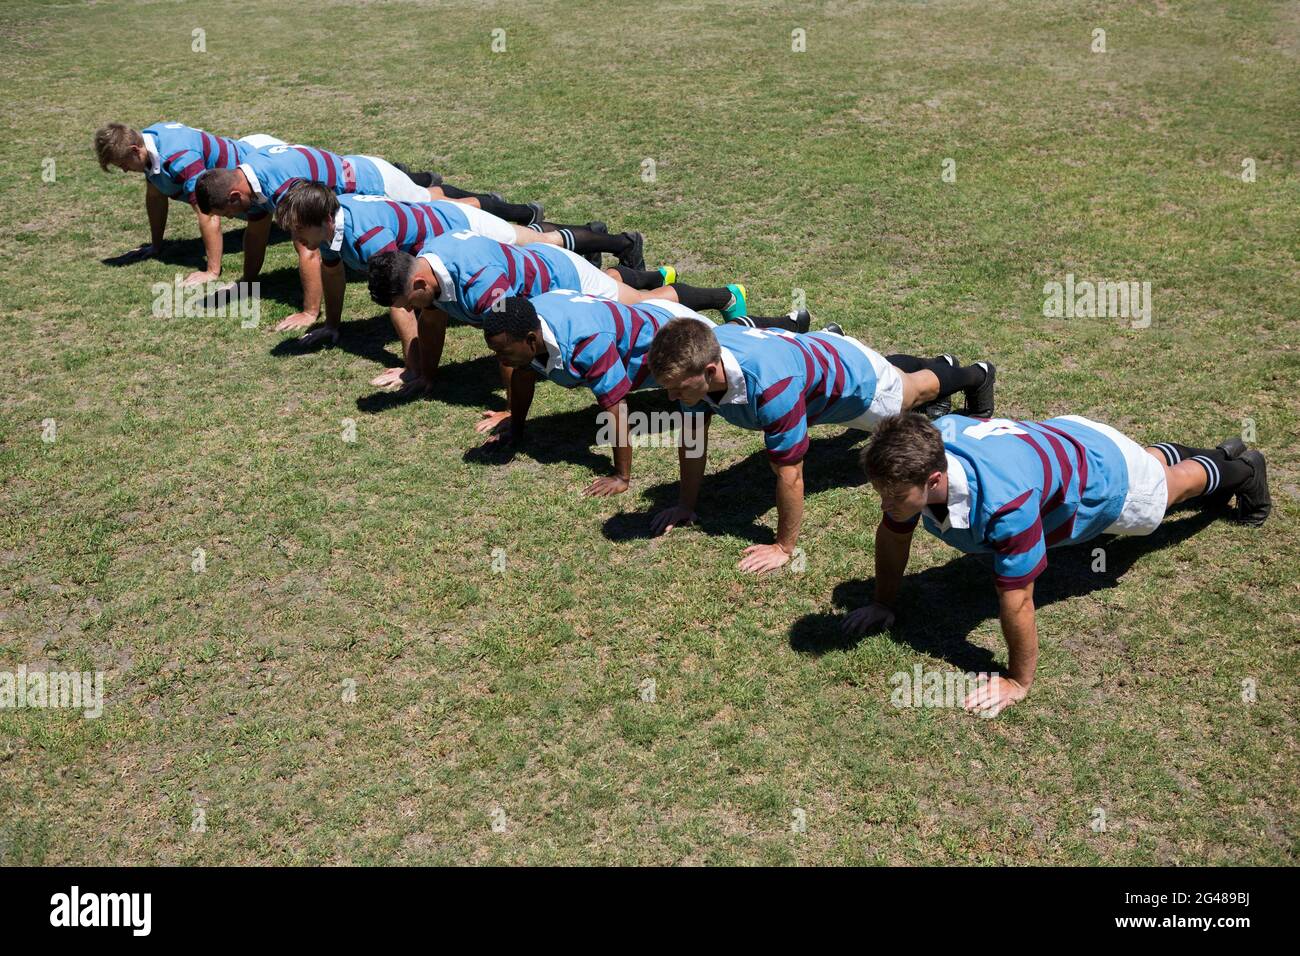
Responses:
[368,225]
[598,343]
[780,383]
[179,154]
[273,169]
[1025,487]
[474,272]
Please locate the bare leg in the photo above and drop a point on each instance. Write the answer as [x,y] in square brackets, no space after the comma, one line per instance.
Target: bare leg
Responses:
[919,388]
[1184,480]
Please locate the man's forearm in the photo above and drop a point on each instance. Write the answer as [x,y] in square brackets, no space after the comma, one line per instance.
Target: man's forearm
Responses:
[622,443]
[789,505]
[309,271]
[155,206]
[892,552]
[432,325]
[522,385]
[692,461]
[210,230]
[1020,628]
[334,283]
[256,235]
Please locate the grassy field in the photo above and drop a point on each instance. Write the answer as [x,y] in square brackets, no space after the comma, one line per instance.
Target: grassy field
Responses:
[498,718]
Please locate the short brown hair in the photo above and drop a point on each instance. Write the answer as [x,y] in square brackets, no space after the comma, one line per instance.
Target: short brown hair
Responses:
[905,449]
[212,188]
[113,141]
[682,348]
[306,204]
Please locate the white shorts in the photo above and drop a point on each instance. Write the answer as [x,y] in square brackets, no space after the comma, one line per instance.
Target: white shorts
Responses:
[485,224]
[592,280]
[398,185]
[1148,494]
[261,140]
[888,399]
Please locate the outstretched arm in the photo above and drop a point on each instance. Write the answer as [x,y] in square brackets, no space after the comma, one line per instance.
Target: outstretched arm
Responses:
[621,480]
[210,230]
[1020,628]
[692,460]
[760,558]
[893,548]
[155,204]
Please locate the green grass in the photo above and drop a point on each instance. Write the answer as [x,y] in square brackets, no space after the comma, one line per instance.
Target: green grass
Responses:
[329,561]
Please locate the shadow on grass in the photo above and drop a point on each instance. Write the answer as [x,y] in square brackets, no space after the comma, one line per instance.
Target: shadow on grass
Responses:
[940,606]
[732,500]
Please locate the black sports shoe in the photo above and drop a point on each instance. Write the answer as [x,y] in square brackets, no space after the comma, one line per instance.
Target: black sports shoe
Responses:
[1254,503]
[1232,447]
[634,256]
[833,328]
[802,320]
[425,179]
[940,406]
[538,213]
[979,400]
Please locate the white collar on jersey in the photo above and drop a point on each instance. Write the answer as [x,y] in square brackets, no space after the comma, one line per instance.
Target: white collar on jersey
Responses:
[958,497]
[445,290]
[253,182]
[151,147]
[337,242]
[553,357]
[736,393]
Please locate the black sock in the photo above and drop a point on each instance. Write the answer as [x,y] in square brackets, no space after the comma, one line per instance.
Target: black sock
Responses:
[582,240]
[952,378]
[786,322]
[697,297]
[641,279]
[509,211]
[421,179]
[1223,475]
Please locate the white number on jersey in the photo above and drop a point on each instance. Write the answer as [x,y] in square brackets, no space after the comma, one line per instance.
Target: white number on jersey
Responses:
[994,426]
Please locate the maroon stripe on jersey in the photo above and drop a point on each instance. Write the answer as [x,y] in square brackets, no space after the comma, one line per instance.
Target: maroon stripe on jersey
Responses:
[1067,474]
[401,220]
[311,163]
[1013,584]
[1061,532]
[174,156]
[618,320]
[790,455]
[1013,504]
[899,527]
[491,295]
[530,270]
[206,140]
[607,360]
[1047,467]
[435,221]
[388,247]
[579,346]
[614,395]
[787,421]
[223,153]
[542,271]
[837,389]
[193,169]
[366,236]
[349,177]
[1080,453]
[285,187]
[772,391]
[421,228]
[1020,542]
